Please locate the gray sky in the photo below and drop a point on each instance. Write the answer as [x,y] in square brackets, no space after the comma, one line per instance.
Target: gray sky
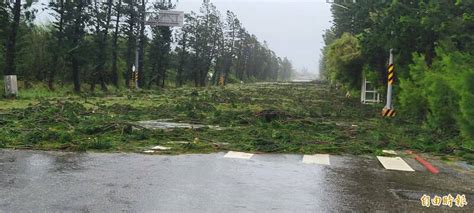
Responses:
[292,28]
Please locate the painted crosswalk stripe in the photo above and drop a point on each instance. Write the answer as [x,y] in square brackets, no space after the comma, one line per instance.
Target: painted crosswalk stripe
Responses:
[240,155]
[322,159]
[394,163]
[391,152]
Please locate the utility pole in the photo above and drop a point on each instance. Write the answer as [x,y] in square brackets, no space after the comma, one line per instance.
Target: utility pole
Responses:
[138,43]
[135,66]
[388,110]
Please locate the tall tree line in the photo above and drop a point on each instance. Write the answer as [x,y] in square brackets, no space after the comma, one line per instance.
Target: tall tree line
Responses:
[403,25]
[433,45]
[96,42]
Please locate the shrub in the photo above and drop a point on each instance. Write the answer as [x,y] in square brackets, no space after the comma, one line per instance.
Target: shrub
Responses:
[412,100]
[442,104]
[100,144]
[344,61]
[33,137]
[441,95]
[466,106]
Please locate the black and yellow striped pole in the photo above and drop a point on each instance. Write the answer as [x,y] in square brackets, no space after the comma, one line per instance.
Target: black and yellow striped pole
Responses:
[134,77]
[388,110]
[136,80]
[221,80]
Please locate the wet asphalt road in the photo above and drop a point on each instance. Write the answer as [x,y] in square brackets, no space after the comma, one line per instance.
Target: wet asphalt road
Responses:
[33,181]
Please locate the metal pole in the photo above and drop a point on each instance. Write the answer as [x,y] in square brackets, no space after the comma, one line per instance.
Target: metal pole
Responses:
[137,56]
[389,87]
[388,111]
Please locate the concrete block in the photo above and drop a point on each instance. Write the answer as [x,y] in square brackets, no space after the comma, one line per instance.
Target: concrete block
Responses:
[11,85]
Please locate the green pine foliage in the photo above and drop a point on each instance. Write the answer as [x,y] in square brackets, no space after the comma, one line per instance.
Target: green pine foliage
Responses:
[412,100]
[86,45]
[433,50]
[34,56]
[344,62]
[442,96]
[466,107]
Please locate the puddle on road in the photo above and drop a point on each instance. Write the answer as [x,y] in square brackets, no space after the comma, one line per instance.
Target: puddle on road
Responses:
[168,124]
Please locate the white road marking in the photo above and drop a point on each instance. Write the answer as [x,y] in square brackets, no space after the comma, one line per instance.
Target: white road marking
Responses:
[389,152]
[394,163]
[239,155]
[161,148]
[322,159]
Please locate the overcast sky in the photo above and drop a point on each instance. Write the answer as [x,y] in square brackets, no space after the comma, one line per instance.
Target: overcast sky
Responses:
[292,28]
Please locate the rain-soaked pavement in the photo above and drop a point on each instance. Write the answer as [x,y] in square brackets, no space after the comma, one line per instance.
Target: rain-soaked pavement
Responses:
[34,181]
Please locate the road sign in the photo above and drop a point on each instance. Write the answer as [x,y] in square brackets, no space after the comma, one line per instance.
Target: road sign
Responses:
[167,18]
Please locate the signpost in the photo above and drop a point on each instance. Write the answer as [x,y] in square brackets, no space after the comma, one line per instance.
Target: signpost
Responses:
[164,18]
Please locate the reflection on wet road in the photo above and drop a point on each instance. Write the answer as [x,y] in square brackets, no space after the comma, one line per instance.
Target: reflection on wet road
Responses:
[82,182]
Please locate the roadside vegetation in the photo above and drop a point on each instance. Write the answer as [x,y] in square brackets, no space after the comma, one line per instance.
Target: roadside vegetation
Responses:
[99,45]
[92,44]
[276,118]
[433,45]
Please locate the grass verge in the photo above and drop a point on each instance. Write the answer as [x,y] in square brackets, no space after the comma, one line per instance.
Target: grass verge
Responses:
[276,118]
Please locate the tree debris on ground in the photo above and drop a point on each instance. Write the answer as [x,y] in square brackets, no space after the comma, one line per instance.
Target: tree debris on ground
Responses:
[288,118]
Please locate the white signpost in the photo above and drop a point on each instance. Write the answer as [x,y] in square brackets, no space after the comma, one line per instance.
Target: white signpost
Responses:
[167,18]
[164,18]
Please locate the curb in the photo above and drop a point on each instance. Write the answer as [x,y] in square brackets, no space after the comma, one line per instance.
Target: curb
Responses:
[425,163]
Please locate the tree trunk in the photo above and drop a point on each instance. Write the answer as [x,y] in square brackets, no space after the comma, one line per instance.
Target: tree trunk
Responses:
[58,53]
[196,71]
[76,38]
[163,76]
[159,65]
[102,47]
[153,69]
[115,47]
[10,68]
[179,76]
[98,47]
[75,75]
[103,85]
[131,47]
[132,43]
[141,45]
